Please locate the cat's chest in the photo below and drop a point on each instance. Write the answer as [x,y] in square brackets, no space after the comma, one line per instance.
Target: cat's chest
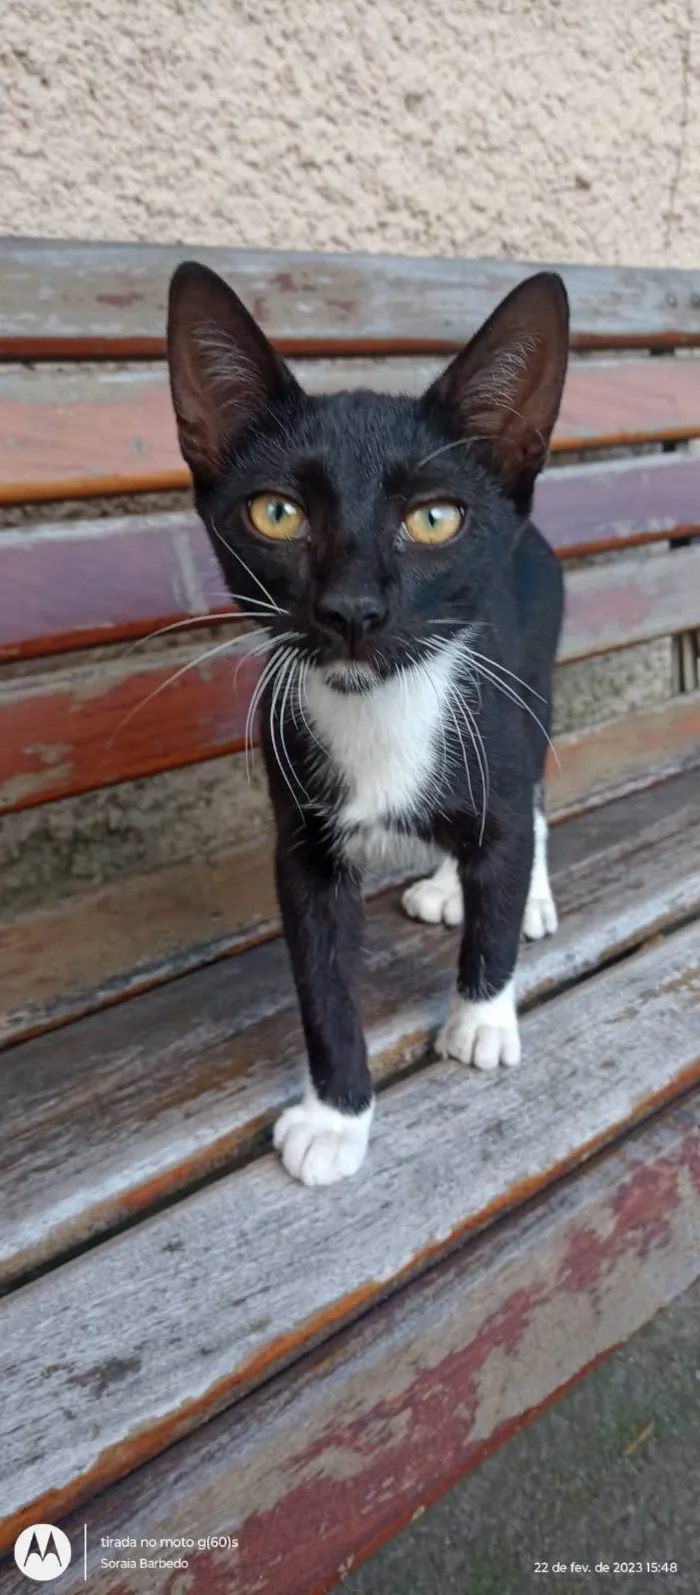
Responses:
[384,744]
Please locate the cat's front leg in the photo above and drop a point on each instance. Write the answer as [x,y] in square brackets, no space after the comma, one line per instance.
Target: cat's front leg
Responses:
[483,1027]
[324,1138]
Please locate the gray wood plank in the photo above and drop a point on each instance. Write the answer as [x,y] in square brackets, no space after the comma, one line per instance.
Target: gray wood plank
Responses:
[142,1339]
[110,1115]
[310,1473]
[76,294]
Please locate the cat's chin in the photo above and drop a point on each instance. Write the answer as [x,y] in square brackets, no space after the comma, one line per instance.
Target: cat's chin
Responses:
[349,676]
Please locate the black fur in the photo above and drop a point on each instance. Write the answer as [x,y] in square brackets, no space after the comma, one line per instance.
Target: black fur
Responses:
[355,588]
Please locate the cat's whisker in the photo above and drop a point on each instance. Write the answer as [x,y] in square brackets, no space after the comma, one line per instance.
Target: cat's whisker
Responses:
[291,674]
[191,620]
[457,443]
[266,675]
[247,568]
[496,665]
[480,751]
[515,698]
[177,674]
[283,686]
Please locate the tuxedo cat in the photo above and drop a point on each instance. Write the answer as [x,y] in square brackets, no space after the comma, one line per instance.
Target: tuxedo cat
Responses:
[412,614]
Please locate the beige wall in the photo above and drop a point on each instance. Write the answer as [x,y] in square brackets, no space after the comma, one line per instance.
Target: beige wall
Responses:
[538,128]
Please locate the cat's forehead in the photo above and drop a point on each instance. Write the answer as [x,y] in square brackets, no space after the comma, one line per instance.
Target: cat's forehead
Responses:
[366,431]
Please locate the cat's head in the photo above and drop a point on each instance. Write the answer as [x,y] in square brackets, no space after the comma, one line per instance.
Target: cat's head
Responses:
[376,524]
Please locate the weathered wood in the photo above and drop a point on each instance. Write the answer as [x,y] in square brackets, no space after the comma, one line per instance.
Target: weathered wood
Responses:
[613,606]
[418,1392]
[68,585]
[621,755]
[141,1340]
[95,725]
[61,963]
[98,724]
[66,435]
[75,1160]
[76,583]
[64,299]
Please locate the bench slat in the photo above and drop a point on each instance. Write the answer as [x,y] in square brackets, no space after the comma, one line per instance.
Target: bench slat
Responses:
[60,963]
[185,1079]
[74,436]
[420,1391]
[139,1341]
[621,755]
[65,299]
[69,585]
[610,607]
[97,725]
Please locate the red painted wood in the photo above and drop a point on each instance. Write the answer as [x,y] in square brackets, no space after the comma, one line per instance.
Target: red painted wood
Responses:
[314,1473]
[99,725]
[80,437]
[69,585]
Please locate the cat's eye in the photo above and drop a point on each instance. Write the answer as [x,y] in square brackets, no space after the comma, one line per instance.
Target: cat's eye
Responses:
[433,523]
[275,516]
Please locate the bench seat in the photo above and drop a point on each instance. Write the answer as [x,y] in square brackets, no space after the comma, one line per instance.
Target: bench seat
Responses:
[190,1343]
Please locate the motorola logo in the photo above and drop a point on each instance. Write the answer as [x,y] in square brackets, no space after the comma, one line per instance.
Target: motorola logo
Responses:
[42,1552]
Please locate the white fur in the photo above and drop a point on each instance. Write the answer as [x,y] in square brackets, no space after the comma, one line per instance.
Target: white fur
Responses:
[320,1145]
[540,910]
[483,1033]
[437,899]
[387,743]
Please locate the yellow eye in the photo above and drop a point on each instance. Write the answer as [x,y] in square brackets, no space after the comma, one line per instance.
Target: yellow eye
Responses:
[433,523]
[275,516]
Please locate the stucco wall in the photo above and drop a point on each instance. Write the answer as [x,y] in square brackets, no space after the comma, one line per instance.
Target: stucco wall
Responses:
[536,128]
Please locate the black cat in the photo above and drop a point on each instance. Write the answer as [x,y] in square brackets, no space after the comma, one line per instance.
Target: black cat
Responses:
[413,614]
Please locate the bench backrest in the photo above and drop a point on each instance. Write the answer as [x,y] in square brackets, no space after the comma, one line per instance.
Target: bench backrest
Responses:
[81,429]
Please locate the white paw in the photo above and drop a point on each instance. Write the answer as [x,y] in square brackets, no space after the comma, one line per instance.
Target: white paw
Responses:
[482,1033]
[540,917]
[437,900]
[318,1145]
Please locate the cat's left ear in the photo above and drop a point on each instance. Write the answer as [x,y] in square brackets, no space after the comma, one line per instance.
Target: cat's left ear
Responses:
[504,389]
[224,373]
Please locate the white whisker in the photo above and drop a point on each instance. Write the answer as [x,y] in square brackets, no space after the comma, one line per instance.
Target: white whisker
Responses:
[247,568]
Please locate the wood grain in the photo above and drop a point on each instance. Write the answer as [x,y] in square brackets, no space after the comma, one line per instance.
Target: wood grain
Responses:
[613,606]
[68,585]
[65,435]
[142,1340]
[64,299]
[312,1474]
[98,724]
[621,755]
[61,963]
[180,1071]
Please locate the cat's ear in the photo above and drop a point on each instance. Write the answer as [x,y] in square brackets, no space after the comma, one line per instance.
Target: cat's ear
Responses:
[223,370]
[504,389]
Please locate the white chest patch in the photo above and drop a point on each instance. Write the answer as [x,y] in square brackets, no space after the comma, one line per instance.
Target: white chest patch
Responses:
[387,744]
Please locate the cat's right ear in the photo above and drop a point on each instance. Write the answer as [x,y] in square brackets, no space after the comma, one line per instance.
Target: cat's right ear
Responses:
[223,371]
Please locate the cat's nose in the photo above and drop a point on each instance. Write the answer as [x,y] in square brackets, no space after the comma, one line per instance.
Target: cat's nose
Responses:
[353,615]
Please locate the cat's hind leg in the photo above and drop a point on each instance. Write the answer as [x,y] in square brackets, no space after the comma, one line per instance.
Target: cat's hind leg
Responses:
[540,918]
[437,899]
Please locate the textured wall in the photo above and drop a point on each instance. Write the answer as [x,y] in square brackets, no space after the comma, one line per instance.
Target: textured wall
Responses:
[560,128]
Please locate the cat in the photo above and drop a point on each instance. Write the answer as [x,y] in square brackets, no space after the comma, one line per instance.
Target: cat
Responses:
[412,615]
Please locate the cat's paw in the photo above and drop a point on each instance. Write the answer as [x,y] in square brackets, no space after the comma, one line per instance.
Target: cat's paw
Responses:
[540,916]
[482,1033]
[438,899]
[318,1145]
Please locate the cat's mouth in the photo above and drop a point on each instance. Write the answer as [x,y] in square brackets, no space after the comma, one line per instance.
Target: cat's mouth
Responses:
[349,675]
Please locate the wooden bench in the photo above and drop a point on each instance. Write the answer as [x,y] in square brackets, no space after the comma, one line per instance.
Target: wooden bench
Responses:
[191,1345]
